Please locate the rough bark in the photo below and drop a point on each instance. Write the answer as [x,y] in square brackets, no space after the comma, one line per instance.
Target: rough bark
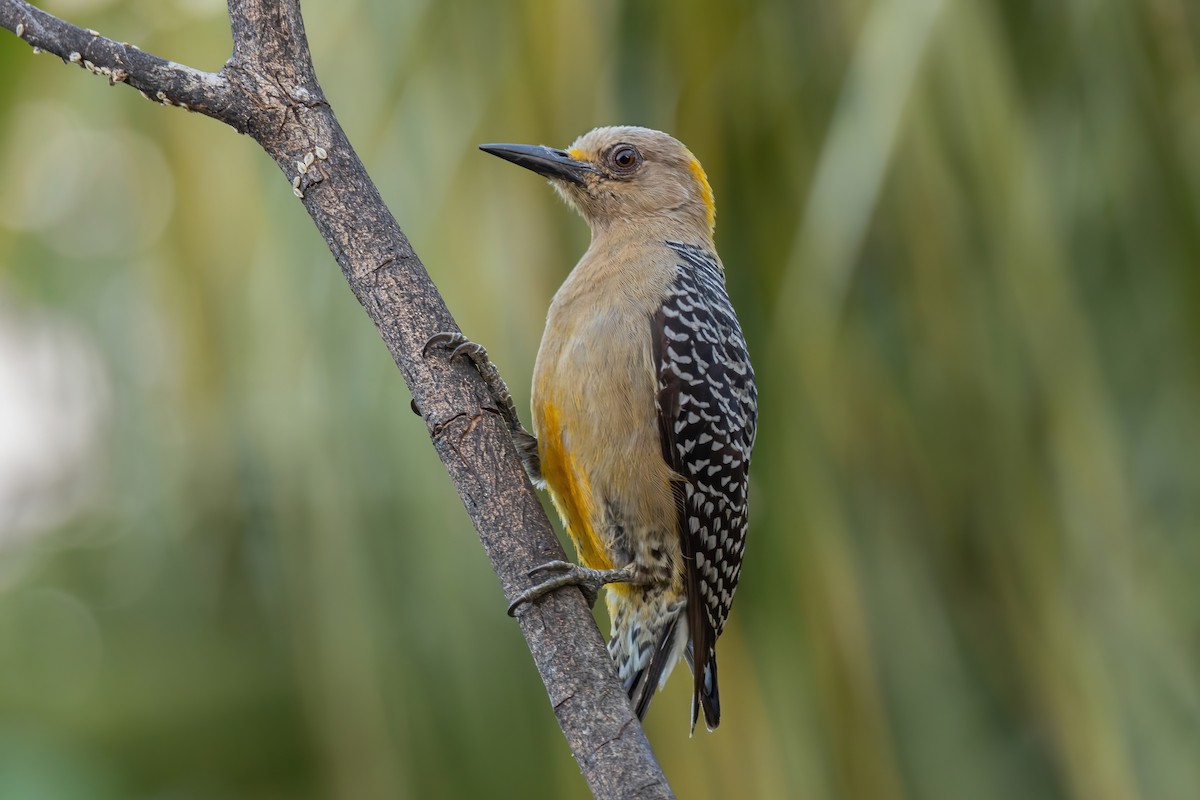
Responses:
[268,89]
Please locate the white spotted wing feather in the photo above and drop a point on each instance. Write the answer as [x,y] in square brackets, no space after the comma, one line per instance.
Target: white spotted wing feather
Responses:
[707,407]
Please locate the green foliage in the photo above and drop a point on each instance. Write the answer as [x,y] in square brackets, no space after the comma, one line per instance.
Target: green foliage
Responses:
[963,237]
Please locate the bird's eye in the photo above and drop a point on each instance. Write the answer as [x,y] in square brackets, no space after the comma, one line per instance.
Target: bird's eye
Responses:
[625,157]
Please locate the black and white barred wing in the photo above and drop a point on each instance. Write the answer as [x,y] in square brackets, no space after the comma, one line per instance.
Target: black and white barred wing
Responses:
[707,407]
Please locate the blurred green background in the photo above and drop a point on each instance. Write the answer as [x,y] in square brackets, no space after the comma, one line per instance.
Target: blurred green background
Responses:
[963,237]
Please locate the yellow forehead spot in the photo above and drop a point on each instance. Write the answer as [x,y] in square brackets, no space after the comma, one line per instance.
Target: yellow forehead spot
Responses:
[706,193]
[577,154]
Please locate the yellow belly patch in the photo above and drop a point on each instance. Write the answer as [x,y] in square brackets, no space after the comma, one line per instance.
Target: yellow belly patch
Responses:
[570,491]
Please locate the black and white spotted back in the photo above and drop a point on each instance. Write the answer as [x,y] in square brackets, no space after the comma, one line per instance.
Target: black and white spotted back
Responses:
[707,410]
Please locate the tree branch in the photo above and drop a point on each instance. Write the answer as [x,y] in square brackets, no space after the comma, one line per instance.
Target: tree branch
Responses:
[269,90]
[157,79]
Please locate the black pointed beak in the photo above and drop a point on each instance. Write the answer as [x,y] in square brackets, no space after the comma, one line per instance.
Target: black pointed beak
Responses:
[542,160]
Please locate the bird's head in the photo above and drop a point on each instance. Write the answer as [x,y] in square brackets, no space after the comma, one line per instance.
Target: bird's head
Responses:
[622,174]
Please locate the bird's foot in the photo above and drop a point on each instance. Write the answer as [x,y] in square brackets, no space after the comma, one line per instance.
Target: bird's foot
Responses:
[588,580]
[460,345]
[525,442]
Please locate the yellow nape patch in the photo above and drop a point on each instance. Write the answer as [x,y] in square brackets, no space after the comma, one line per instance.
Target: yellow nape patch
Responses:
[706,192]
[570,491]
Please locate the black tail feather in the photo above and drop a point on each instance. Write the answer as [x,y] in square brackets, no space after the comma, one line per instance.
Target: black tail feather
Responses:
[710,698]
[705,693]
[643,684]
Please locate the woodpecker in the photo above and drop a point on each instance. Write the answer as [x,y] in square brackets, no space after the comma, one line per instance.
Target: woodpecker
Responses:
[644,407]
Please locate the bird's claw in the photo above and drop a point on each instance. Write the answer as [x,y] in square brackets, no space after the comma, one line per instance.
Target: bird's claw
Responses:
[471,349]
[461,344]
[588,580]
[555,566]
[442,337]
